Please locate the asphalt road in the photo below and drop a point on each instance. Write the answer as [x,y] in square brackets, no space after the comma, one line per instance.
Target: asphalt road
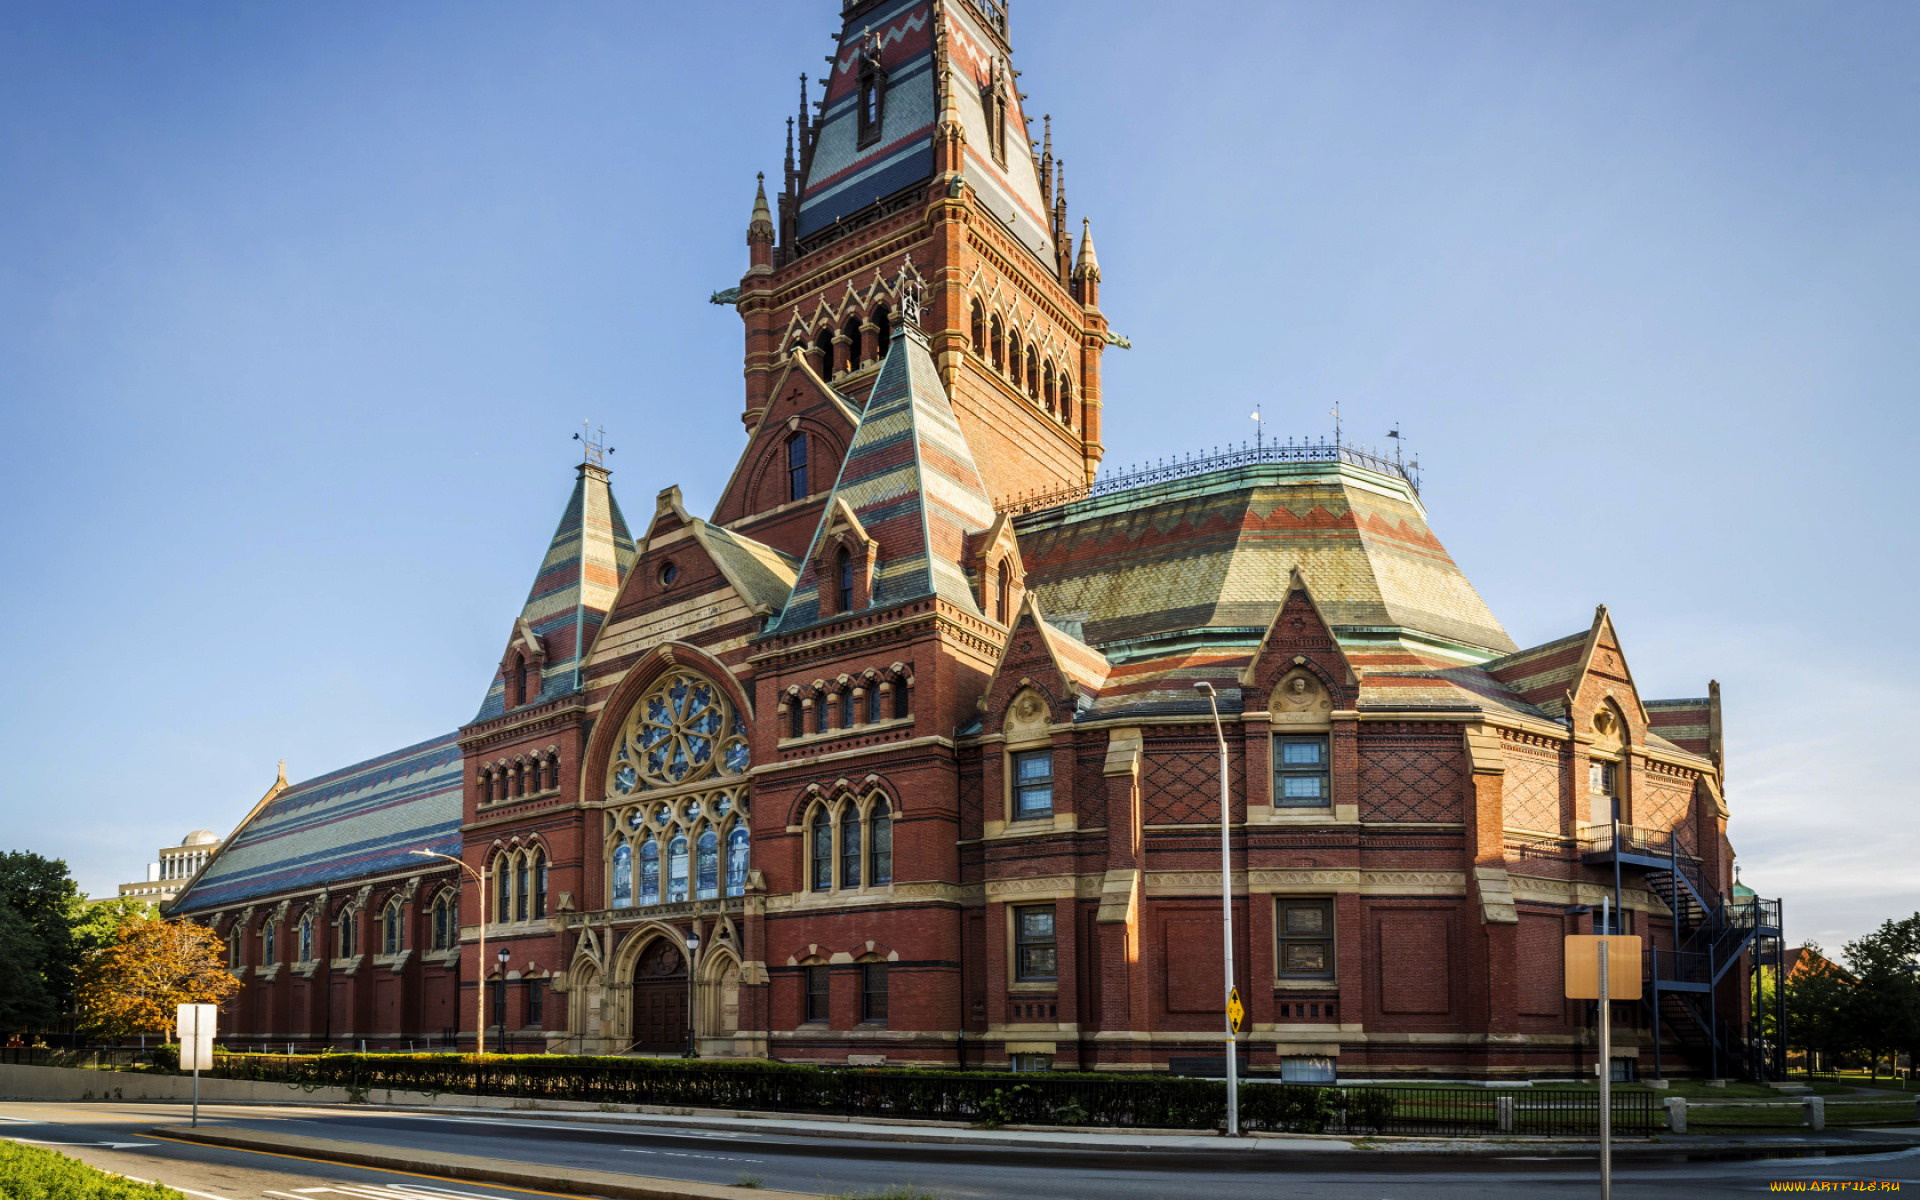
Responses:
[113,1136]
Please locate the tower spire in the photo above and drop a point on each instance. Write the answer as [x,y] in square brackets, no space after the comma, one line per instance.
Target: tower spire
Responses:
[1086,271]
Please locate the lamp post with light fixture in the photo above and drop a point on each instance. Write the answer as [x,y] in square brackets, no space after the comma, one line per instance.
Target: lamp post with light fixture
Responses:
[505,954]
[693,947]
[480,1011]
[1226,918]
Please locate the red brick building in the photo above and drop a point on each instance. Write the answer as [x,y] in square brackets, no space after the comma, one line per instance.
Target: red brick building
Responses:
[911,734]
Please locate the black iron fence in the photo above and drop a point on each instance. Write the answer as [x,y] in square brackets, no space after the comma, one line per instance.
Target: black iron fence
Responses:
[1246,454]
[101,1058]
[978,1097]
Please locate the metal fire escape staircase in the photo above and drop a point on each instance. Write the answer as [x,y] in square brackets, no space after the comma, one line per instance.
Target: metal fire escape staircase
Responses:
[1712,935]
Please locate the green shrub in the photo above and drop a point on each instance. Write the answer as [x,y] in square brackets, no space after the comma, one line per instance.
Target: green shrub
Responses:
[167,1057]
[30,1173]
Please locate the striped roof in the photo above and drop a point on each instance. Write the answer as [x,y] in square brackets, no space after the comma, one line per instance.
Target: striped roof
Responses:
[578,579]
[843,176]
[350,824]
[1205,560]
[910,481]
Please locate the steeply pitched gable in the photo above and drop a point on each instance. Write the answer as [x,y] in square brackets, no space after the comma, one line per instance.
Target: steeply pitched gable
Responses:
[910,482]
[578,579]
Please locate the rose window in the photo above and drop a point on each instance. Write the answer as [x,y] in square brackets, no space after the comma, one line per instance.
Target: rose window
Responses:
[681,731]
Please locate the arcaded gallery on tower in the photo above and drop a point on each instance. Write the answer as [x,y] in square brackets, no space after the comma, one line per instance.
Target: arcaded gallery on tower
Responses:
[901,754]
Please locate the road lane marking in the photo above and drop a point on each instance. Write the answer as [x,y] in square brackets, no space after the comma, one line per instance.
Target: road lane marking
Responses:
[108,1145]
[505,1187]
[692,1154]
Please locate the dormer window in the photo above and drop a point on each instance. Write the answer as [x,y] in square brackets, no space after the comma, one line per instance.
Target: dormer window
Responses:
[873,92]
[843,571]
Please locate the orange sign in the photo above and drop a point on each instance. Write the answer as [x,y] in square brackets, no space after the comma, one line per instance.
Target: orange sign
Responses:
[1583,967]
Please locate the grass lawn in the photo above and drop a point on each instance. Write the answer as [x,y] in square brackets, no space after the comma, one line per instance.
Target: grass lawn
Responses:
[30,1173]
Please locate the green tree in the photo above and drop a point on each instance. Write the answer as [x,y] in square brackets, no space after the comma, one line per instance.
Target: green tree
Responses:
[96,924]
[37,896]
[1885,1006]
[1819,1010]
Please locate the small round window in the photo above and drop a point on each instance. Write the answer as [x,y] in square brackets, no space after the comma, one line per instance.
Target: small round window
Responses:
[668,573]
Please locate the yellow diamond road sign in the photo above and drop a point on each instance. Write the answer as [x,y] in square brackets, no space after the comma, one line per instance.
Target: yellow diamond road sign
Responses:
[1236,1011]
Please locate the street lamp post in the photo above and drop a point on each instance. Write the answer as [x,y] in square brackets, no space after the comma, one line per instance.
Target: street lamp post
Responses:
[693,947]
[480,1001]
[505,954]
[1226,918]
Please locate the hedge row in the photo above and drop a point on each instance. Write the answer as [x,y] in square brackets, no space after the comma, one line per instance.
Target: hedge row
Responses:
[30,1173]
[1053,1098]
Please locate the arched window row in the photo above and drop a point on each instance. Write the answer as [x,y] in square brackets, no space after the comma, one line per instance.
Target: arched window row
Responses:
[1023,364]
[519,877]
[858,341]
[848,704]
[444,919]
[850,843]
[522,777]
[670,851]
[393,927]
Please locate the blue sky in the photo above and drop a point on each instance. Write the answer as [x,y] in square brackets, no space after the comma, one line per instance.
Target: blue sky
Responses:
[300,305]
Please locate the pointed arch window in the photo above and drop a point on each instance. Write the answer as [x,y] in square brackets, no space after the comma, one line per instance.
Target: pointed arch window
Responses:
[446,919]
[899,699]
[306,937]
[1066,400]
[706,870]
[623,876]
[1033,374]
[797,467]
[650,872]
[996,345]
[502,888]
[880,843]
[269,950]
[1003,595]
[737,855]
[850,857]
[392,928]
[522,888]
[873,703]
[1015,356]
[539,861]
[1053,400]
[677,869]
[796,719]
[850,329]
[823,351]
[821,839]
[882,330]
[343,939]
[848,709]
[233,946]
[977,326]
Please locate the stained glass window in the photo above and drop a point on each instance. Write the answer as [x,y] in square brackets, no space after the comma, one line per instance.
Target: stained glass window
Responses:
[706,868]
[650,872]
[737,861]
[880,845]
[822,851]
[677,869]
[623,876]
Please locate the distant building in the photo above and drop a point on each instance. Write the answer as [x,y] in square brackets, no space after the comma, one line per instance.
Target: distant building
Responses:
[178,864]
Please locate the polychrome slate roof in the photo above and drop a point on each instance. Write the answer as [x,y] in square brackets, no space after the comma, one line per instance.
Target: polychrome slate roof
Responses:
[346,825]
[910,480]
[843,176]
[589,554]
[1206,559]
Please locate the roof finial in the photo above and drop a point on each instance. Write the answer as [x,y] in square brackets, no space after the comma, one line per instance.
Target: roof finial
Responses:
[762,220]
[282,780]
[595,449]
[1089,265]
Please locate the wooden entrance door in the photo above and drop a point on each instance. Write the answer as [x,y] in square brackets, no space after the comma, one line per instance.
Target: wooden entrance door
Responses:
[660,1000]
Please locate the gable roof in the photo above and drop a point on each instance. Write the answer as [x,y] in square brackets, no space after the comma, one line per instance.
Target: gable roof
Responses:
[349,824]
[910,481]
[590,551]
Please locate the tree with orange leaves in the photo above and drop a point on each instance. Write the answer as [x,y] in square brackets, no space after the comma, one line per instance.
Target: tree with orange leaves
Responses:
[135,985]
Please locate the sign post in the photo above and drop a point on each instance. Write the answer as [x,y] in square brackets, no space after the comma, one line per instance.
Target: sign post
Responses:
[1604,968]
[196,1045]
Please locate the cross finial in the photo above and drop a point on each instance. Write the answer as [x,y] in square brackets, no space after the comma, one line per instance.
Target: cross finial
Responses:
[594,444]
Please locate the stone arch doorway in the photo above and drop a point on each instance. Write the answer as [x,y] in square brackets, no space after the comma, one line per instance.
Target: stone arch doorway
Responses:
[660,999]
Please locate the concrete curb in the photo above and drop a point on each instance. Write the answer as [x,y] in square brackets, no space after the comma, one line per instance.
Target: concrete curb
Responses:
[539,1177]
